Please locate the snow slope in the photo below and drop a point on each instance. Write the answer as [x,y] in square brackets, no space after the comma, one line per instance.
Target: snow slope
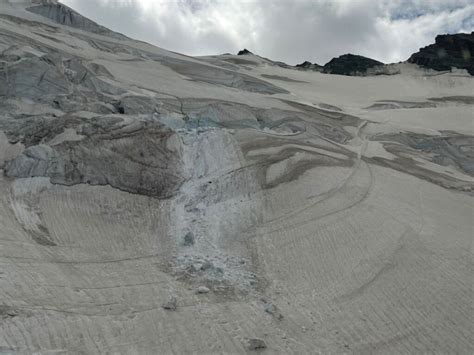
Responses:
[152,202]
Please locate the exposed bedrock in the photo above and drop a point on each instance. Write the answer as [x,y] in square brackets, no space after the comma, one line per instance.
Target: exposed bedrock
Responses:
[350,64]
[308,65]
[448,51]
[244,51]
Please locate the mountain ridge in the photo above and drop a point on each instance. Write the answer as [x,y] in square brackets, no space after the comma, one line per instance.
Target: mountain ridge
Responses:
[448,51]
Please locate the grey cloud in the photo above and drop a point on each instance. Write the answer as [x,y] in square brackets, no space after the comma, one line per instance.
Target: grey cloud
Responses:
[290,31]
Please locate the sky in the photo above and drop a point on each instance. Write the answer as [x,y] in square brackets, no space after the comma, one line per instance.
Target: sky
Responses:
[285,30]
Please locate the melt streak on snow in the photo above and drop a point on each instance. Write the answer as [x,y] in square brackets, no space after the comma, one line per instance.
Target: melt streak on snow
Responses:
[152,202]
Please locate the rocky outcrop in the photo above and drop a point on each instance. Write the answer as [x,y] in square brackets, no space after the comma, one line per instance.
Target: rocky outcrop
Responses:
[309,66]
[350,64]
[256,344]
[448,51]
[244,51]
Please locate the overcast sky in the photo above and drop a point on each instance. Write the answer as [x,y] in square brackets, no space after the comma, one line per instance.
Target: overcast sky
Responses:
[290,31]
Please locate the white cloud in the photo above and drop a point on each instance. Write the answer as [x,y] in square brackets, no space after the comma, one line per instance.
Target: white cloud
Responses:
[291,31]
[402,37]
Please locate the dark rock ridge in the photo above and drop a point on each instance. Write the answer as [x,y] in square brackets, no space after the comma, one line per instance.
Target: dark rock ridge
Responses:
[244,51]
[305,64]
[309,66]
[350,64]
[448,51]
[347,64]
